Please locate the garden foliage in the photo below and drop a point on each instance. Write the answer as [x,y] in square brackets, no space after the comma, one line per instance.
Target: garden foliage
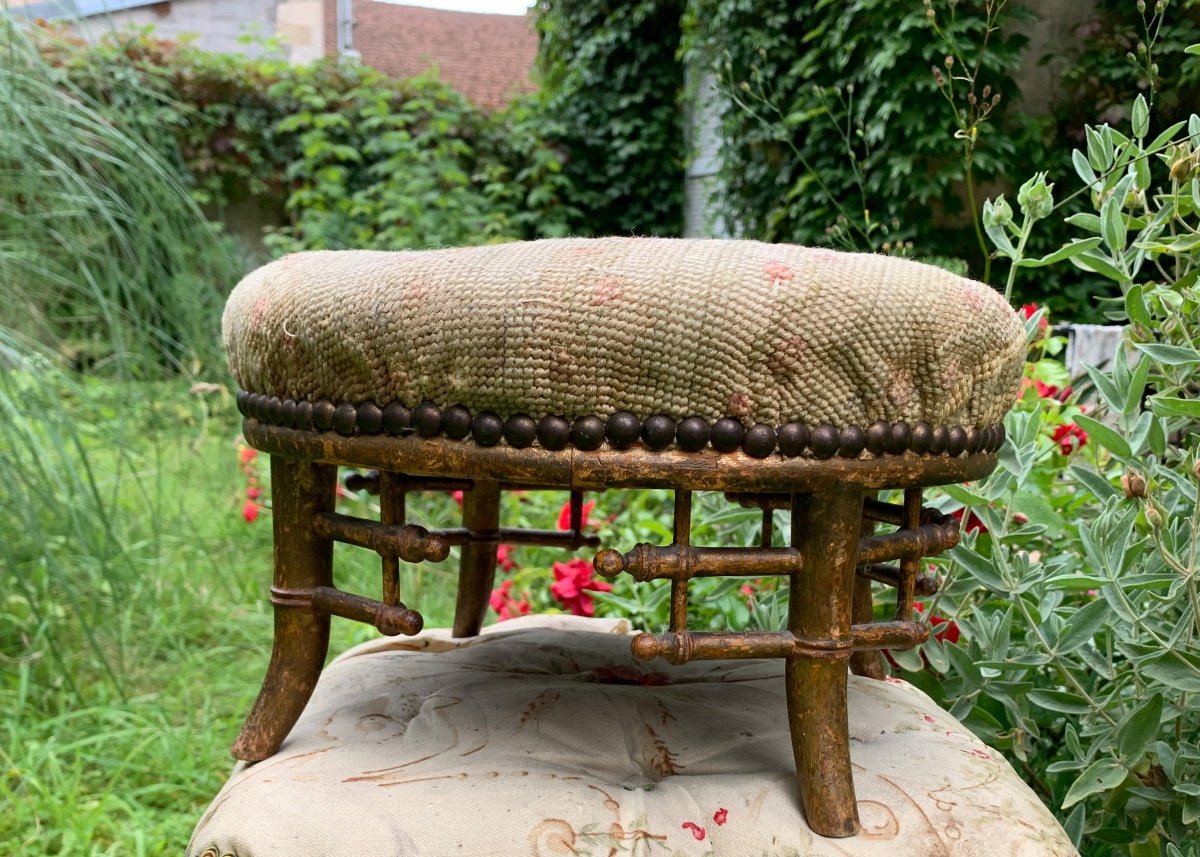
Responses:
[610,98]
[348,157]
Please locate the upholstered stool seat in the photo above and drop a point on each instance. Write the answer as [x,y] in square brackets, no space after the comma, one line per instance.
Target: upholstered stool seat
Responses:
[543,737]
[786,377]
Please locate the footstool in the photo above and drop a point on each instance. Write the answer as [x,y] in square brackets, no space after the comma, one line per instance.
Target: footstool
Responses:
[787,377]
[502,745]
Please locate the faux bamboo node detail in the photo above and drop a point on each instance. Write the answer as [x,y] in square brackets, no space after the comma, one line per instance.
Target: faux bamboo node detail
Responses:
[389,619]
[680,647]
[682,562]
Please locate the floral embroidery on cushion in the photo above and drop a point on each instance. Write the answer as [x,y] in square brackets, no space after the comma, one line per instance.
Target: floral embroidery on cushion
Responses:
[697,831]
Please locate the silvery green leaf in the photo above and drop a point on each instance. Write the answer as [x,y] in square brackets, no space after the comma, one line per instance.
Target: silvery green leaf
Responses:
[1140,117]
[1101,776]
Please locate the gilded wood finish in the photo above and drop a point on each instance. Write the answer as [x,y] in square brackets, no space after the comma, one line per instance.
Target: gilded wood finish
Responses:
[835,554]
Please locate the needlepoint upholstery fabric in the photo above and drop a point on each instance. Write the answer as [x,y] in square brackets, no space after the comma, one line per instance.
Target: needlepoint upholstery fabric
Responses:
[570,327]
[542,737]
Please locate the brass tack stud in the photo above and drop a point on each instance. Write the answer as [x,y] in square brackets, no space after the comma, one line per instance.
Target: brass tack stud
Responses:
[370,418]
[792,439]
[456,422]
[304,415]
[852,440]
[622,429]
[922,437]
[345,416]
[759,441]
[823,441]
[879,435]
[427,419]
[726,435]
[553,432]
[323,415]
[658,431]
[587,433]
[937,445]
[487,428]
[520,431]
[956,441]
[974,440]
[397,418]
[692,434]
[899,438]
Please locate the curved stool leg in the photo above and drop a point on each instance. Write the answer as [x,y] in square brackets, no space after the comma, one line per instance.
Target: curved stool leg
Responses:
[477,562]
[825,529]
[302,561]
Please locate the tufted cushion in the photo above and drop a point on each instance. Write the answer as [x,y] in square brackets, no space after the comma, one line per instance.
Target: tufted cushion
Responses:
[541,737]
[760,332]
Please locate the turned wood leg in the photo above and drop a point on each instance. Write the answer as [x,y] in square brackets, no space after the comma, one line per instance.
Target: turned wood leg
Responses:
[825,529]
[299,490]
[477,562]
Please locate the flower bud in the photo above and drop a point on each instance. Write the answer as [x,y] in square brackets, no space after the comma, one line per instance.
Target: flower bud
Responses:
[997,212]
[987,92]
[1196,469]
[938,78]
[1133,484]
[949,61]
[1141,6]
[1154,517]
[1036,197]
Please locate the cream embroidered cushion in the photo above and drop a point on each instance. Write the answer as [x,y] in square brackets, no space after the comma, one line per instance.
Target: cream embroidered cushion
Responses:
[542,737]
[762,333]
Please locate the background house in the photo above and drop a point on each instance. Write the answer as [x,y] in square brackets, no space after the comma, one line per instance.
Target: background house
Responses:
[489,58]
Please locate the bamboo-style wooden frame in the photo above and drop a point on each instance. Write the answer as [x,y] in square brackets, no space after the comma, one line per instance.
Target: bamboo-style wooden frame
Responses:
[832,559]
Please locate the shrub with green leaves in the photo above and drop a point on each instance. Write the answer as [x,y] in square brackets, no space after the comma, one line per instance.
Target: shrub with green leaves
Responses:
[835,128]
[1078,597]
[346,156]
[611,83]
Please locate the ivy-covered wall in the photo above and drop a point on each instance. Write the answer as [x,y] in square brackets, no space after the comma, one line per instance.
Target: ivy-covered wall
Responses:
[611,82]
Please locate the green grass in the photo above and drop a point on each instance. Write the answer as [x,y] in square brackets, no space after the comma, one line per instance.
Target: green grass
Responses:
[118,715]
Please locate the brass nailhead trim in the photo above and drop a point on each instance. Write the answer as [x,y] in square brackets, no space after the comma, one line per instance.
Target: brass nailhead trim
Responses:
[622,429]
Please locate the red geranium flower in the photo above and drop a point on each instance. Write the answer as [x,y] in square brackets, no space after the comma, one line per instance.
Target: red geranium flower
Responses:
[972,522]
[1027,312]
[250,511]
[572,582]
[564,515]
[504,558]
[948,632]
[505,605]
[1069,437]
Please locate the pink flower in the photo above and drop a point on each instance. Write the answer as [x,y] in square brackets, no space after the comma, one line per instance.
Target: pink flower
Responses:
[250,511]
[505,605]
[1069,437]
[253,492]
[504,558]
[246,455]
[457,495]
[572,582]
[564,515]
